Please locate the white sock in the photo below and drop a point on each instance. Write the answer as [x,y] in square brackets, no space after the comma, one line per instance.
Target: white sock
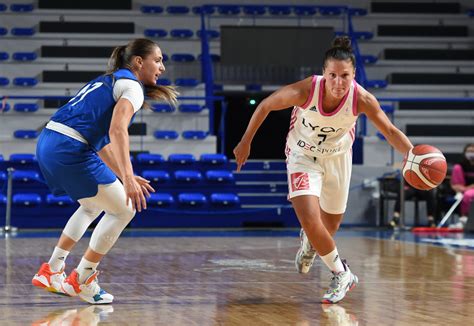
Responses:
[56,262]
[333,261]
[85,269]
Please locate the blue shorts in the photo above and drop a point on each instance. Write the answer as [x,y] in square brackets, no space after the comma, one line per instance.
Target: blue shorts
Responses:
[71,167]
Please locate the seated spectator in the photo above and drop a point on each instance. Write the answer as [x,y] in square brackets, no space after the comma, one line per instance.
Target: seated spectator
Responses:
[462,180]
[410,194]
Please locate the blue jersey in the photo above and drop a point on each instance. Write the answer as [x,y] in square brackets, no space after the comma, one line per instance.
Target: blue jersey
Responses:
[90,111]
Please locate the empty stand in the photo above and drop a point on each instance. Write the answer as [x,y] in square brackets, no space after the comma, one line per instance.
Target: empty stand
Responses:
[87,27]
[416,7]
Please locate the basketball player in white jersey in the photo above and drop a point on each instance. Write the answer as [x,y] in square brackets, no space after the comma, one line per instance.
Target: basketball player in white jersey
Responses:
[319,155]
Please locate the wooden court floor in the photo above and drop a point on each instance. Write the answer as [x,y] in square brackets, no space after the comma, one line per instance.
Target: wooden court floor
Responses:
[245,280]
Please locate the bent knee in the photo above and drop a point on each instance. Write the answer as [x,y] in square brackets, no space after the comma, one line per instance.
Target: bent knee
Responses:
[126,212]
[90,210]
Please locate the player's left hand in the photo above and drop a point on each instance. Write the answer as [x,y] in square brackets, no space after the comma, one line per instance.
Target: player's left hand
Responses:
[145,185]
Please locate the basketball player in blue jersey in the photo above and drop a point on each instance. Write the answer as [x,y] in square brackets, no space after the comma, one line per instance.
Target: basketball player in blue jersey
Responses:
[84,149]
[319,155]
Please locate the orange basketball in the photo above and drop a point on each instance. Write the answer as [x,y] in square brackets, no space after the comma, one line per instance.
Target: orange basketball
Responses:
[424,167]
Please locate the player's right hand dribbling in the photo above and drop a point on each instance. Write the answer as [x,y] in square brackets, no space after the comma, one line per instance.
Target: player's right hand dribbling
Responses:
[241,152]
[135,192]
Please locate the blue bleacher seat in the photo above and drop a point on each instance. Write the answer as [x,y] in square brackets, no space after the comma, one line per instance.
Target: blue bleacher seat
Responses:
[177,10]
[165,57]
[194,134]
[23,31]
[166,134]
[4,107]
[26,107]
[192,199]
[4,56]
[186,82]
[150,159]
[181,159]
[253,87]
[188,176]
[214,57]
[376,83]
[219,176]
[3,200]
[279,10]
[23,158]
[1,158]
[209,10]
[151,9]
[213,159]
[388,108]
[58,200]
[181,33]
[26,199]
[4,81]
[357,12]
[211,34]
[254,10]
[363,35]
[224,199]
[304,10]
[228,9]
[157,176]
[470,12]
[160,199]
[163,82]
[3,7]
[369,59]
[3,31]
[25,176]
[162,107]
[24,7]
[182,57]
[330,10]
[25,81]
[3,175]
[155,32]
[190,108]
[25,134]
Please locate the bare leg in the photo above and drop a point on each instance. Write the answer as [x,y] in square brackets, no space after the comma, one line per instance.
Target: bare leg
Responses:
[309,214]
[66,243]
[331,221]
[92,256]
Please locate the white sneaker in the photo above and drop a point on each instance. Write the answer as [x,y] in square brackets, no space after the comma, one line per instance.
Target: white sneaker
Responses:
[306,254]
[49,280]
[88,291]
[341,283]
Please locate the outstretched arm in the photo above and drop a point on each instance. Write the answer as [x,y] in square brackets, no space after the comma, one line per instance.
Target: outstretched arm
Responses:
[368,104]
[285,97]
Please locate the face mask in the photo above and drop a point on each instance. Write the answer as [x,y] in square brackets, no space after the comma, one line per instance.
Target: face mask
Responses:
[470,156]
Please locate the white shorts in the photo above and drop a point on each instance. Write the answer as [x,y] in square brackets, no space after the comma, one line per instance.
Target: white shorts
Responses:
[327,178]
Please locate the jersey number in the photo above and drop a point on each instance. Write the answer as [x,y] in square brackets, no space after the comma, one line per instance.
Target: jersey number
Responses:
[322,138]
[83,92]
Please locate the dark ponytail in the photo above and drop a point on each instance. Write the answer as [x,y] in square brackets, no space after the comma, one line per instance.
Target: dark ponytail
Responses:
[116,60]
[121,58]
[341,50]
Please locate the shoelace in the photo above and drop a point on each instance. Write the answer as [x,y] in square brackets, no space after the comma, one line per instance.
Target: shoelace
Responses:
[334,287]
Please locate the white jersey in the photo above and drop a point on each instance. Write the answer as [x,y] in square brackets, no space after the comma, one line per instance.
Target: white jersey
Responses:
[319,134]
